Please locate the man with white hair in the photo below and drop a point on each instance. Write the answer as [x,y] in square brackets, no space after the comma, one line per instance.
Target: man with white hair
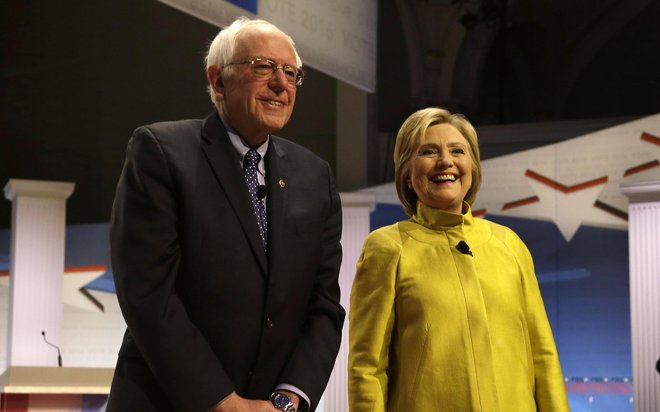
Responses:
[225,246]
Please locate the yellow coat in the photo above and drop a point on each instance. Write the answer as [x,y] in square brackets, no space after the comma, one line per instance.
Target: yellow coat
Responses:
[433,329]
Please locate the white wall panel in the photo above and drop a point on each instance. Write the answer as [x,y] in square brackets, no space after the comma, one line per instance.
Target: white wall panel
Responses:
[36,270]
[644,248]
[356,209]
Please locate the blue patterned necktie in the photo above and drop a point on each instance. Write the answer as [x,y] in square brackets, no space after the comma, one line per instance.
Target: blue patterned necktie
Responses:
[250,164]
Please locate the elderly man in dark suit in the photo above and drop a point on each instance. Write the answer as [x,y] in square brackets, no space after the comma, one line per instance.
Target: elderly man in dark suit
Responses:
[225,247]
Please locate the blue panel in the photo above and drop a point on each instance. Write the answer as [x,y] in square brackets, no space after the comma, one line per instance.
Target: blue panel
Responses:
[94,403]
[4,262]
[249,5]
[89,245]
[386,214]
[86,245]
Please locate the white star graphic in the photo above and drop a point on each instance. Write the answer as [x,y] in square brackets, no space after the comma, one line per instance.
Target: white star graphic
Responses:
[568,210]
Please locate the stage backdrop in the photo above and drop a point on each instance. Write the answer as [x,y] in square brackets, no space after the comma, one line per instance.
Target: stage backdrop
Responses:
[336,37]
[562,199]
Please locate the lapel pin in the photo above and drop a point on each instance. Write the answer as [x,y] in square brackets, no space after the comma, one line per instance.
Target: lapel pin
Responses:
[282,184]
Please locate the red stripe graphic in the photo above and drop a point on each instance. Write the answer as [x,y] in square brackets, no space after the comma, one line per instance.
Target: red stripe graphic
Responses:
[641,168]
[562,188]
[611,210]
[479,213]
[521,202]
[14,402]
[648,137]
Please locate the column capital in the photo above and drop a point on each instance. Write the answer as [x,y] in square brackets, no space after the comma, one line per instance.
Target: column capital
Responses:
[37,188]
[641,191]
[357,199]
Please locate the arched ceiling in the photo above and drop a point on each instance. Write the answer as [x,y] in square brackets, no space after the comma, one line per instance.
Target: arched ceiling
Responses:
[501,61]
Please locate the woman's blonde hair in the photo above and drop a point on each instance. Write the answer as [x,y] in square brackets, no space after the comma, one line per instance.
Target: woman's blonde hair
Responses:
[408,139]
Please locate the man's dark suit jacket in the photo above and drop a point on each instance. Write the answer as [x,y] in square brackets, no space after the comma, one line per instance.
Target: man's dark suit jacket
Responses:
[208,310]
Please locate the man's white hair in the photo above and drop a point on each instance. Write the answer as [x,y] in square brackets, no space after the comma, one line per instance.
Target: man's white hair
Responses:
[221,49]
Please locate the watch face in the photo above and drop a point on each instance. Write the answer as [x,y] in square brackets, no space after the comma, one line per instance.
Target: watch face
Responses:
[282,402]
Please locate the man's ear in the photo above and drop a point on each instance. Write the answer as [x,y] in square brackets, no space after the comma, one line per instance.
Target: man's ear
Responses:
[214,77]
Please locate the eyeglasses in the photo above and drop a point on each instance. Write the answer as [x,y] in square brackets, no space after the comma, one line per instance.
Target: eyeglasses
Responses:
[266,68]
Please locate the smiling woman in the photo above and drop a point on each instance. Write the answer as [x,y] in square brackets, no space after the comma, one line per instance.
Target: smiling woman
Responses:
[446,312]
[433,139]
[441,170]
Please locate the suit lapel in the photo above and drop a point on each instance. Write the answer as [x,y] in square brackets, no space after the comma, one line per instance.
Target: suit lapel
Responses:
[226,167]
[277,174]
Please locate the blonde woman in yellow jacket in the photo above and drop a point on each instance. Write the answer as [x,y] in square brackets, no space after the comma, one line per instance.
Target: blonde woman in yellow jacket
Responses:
[446,313]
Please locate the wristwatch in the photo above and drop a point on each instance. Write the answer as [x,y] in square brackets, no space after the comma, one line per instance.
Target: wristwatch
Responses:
[282,402]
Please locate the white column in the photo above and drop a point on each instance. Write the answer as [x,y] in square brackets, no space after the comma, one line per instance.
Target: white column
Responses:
[644,247]
[356,210]
[36,269]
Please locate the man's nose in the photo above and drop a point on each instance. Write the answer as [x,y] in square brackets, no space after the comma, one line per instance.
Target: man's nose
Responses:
[278,79]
